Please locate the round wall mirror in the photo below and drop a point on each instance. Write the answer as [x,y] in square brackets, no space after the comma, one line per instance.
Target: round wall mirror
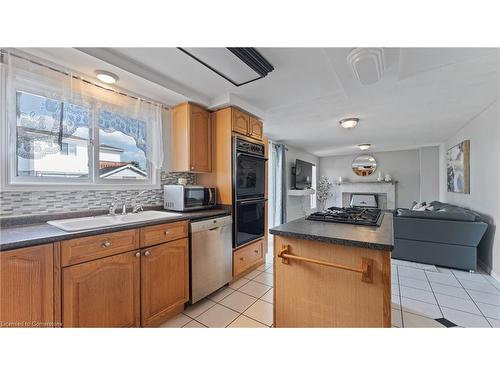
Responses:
[364,165]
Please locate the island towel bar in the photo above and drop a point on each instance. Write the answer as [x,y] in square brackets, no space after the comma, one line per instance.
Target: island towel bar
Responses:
[366,269]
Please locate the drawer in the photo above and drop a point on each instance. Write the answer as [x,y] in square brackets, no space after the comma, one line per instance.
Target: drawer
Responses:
[94,247]
[248,256]
[157,234]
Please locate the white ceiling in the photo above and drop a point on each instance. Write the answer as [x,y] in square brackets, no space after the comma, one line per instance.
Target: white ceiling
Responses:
[425,95]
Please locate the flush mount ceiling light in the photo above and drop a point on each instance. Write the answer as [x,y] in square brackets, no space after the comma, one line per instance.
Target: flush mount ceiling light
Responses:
[349,123]
[366,64]
[236,65]
[364,146]
[106,77]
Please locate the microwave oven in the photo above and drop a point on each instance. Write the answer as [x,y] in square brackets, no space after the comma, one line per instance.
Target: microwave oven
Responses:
[188,197]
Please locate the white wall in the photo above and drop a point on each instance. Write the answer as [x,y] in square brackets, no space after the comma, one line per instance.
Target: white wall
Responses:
[403,166]
[295,206]
[429,174]
[484,134]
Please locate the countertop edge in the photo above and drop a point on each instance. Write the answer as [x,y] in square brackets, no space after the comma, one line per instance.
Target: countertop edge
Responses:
[332,240]
[61,235]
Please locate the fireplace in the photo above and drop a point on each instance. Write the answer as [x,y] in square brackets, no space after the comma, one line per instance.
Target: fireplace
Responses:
[364,200]
[384,192]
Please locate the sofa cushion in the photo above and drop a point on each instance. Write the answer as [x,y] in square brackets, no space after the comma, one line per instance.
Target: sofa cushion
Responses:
[441,212]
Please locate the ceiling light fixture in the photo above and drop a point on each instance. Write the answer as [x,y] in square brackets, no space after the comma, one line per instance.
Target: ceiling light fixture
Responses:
[364,146]
[106,77]
[349,123]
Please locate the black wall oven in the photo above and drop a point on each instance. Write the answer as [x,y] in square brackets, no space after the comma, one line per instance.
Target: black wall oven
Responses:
[249,184]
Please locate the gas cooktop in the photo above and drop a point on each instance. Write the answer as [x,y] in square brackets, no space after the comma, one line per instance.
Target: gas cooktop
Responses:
[349,215]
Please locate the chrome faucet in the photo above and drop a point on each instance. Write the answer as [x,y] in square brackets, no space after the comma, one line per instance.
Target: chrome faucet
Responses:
[113,206]
[137,206]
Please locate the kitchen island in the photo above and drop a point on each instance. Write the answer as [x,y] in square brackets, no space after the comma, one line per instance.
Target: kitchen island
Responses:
[332,274]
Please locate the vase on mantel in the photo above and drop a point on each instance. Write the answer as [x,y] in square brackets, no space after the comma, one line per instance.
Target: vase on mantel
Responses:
[379,177]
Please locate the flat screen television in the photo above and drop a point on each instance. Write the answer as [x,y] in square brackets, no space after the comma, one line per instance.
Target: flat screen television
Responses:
[302,173]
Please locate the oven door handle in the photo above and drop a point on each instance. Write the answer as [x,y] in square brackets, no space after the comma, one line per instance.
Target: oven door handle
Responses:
[251,156]
[250,201]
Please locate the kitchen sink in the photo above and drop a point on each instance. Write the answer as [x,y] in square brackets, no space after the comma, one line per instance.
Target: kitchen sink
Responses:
[103,221]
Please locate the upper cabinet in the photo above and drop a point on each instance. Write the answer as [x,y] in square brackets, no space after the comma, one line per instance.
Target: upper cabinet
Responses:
[246,124]
[191,139]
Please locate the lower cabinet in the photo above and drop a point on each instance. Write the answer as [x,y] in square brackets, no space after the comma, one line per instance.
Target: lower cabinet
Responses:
[27,287]
[164,286]
[247,257]
[103,292]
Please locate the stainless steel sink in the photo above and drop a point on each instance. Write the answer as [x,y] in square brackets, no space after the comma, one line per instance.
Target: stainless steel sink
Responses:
[104,221]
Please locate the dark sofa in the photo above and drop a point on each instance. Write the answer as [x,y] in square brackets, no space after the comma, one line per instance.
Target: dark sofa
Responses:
[447,236]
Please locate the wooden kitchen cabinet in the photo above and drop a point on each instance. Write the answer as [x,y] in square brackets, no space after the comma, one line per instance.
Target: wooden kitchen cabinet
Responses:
[27,287]
[164,281]
[246,124]
[247,257]
[191,139]
[255,128]
[103,292]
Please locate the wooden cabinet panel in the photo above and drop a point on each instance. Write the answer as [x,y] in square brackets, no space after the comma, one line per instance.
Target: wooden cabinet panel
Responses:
[88,248]
[200,140]
[103,293]
[27,287]
[164,281]
[157,234]
[191,139]
[255,128]
[240,122]
[248,256]
[313,295]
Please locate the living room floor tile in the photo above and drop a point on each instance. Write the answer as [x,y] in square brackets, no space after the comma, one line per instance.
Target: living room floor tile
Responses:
[449,290]
[464,319]
[415,283]
[412,273]
[446,279]
[490,299]
[494,322]
[418,294]
[489,311]
[421,308]
[479,286]
[457,303]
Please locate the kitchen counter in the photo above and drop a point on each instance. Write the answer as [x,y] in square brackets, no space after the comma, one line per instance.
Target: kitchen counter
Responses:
[16,236]
[377,238]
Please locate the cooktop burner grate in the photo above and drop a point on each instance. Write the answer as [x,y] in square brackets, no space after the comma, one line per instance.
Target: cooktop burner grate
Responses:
[349,215]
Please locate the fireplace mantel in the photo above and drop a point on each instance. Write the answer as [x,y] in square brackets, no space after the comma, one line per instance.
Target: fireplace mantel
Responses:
[383,189]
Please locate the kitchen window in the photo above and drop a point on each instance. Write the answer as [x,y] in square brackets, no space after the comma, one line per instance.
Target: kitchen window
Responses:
[67,132]
[313,186]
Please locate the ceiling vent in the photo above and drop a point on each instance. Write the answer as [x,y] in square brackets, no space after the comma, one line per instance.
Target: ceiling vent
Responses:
[237,65]
[366,64]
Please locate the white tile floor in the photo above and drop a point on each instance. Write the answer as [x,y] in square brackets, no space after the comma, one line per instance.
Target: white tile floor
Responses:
[420,295]
[246,303]
[423,293]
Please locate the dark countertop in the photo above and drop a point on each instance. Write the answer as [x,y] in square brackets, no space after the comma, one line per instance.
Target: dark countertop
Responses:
[377,238]
[13,237]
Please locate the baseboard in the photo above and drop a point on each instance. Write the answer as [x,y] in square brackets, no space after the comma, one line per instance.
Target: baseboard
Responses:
[488,270]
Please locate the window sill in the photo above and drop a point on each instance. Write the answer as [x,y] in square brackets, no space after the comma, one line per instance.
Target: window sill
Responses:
[78,187]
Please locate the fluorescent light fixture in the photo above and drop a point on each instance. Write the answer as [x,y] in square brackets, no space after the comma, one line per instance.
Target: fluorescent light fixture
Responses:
[106,77]
[238,65]
[349,123]
[364,146]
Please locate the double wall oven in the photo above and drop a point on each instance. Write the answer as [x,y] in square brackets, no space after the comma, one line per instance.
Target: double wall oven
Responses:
[249,185]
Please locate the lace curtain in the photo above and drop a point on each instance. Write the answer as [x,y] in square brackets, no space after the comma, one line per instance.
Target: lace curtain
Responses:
[47,105]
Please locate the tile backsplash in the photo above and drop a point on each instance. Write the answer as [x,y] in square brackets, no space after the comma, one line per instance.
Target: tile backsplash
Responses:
[15,203]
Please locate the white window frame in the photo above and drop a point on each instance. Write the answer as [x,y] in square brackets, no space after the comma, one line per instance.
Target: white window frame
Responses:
[8,152]
[314,174]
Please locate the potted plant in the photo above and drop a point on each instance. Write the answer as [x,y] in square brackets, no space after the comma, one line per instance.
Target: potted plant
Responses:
[323,191]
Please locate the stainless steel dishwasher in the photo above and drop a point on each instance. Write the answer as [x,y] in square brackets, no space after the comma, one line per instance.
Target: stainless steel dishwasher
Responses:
[211,256]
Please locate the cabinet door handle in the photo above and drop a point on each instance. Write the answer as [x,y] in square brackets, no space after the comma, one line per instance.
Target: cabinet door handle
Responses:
[167,232]
[106,244]
[147,253]
[137,255]
[256,251]
[242,259]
